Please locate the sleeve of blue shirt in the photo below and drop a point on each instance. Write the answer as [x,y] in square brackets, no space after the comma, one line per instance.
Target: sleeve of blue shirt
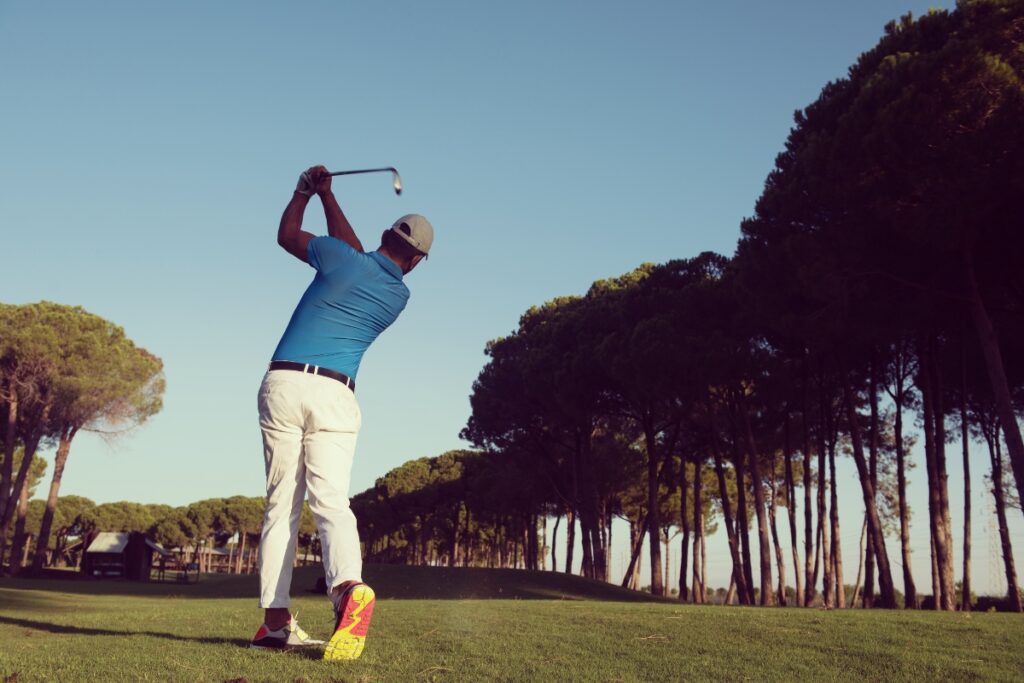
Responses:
[327,253]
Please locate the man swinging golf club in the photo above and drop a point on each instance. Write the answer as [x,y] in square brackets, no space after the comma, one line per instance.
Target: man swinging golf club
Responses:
[308,412]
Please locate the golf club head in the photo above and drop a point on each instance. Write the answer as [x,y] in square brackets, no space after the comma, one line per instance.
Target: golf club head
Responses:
[397,181]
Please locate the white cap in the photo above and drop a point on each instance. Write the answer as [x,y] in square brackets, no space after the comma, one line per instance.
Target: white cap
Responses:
[416,230]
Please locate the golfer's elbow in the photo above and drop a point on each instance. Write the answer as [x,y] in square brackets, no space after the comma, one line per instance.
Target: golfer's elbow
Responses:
[295,245]
[289,246]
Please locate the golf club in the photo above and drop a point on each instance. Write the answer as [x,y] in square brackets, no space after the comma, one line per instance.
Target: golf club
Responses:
[397,181]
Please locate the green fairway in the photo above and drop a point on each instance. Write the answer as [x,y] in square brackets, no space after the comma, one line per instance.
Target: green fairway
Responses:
[427,628]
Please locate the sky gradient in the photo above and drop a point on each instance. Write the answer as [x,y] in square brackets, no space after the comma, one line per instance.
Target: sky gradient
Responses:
[149,149]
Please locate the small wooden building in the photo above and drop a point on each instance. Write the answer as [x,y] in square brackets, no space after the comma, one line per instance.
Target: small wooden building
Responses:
[122,555]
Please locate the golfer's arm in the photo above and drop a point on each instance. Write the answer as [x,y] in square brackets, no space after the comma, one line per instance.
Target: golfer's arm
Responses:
[290,234]
[337,225]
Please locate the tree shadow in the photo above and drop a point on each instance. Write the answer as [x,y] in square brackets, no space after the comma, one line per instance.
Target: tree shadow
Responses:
[210,586]
[390,581]
[89,631]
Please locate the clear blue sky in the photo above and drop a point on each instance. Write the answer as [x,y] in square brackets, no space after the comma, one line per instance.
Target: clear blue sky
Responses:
[149,148]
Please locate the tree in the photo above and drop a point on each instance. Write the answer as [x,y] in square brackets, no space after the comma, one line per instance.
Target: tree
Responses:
[175,529]
[894,202]
[540,395]
[28,368]
[103,382]
[37,468]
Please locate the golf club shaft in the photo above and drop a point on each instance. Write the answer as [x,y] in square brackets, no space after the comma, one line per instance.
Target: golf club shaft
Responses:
[364,170]
[396,181]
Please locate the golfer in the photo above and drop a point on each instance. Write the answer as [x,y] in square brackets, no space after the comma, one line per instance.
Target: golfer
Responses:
[308,411]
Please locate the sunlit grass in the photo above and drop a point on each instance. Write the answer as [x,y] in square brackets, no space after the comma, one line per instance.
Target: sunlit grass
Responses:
[81,632]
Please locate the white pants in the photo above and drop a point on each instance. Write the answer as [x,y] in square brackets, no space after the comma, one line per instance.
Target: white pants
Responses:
[309,426]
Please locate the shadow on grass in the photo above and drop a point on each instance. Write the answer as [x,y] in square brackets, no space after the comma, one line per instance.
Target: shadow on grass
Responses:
[391,582]
[85,631]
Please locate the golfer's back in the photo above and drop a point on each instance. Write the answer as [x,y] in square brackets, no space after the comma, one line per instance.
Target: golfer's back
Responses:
[353,298]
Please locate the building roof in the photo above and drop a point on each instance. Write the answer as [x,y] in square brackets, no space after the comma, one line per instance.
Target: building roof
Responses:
[116,541]
[159,548]
[108,542]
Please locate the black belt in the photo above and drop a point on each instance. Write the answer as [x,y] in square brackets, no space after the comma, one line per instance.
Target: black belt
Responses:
[314,370]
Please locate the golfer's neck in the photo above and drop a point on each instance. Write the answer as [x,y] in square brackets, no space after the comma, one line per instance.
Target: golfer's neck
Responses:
[392,258]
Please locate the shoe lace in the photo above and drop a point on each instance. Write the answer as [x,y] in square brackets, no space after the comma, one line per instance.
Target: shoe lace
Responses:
[296,629]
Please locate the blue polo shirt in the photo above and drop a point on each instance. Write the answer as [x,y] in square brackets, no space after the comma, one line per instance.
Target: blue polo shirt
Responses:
[354,297]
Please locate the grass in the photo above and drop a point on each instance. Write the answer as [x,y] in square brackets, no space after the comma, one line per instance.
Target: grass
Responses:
[435,624]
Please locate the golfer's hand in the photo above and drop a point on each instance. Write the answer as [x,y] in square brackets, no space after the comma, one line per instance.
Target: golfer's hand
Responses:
[306,185]
[320,177]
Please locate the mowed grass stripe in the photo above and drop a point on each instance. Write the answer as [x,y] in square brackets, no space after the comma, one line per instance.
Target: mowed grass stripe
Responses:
[76,636]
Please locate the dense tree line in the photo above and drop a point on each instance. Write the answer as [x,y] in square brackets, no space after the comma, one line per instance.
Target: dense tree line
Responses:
[228,525]
[491,509]
[63,370]
[876,280]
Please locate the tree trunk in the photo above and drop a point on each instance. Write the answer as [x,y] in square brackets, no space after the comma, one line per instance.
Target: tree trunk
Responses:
[453,540]
[837,548]
[723,492]
[8,495]
[684,522]
[730,594]
[997,375]
[791,512]
[743,521]
[1012,590]
[860,564]
[965,598]
[759,506]
[888,596]
[24,551]
[570,544]
[909,589]
[241,550]
[60,460]
[827,587]
[607,516]
[20,482]
[632,577]
[554,544]
[698,531]
[779,561]
[810,565]
[668,553]
[948,580]
[703,567]
[472,546]
[653,505]
[530,541]
[869,557]
[935,440]
[15,506]
[21,539]
[600,570]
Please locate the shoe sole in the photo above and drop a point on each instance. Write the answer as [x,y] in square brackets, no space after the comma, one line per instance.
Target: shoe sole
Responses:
[345,645]
[286,648]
